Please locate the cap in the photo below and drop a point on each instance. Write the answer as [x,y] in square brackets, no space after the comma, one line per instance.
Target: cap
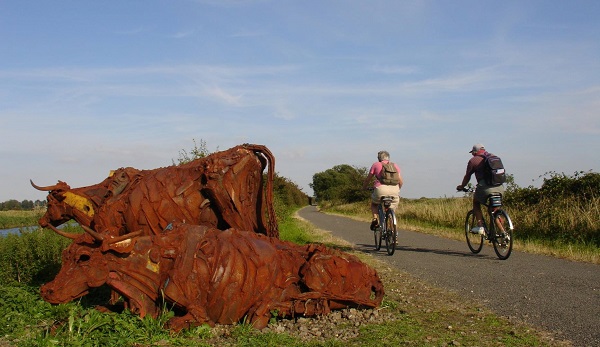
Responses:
[477,148]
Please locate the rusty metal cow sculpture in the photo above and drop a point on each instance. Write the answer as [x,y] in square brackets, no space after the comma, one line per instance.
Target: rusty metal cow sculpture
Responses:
[216,276]
[223,190]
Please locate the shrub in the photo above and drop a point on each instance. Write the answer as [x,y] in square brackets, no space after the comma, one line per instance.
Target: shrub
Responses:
[31,258]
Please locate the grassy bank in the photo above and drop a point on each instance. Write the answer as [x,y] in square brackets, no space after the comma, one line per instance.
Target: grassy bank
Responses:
[17,219]
[554,229]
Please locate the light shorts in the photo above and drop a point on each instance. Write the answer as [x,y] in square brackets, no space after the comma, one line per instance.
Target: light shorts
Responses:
[483,190]
[386,190]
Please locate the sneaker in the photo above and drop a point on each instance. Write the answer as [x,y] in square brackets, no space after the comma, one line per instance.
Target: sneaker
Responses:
[478,230]
[374,224]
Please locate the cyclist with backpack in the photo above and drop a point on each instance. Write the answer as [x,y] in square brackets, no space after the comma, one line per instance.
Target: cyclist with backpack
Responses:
[388,181]
[490,175]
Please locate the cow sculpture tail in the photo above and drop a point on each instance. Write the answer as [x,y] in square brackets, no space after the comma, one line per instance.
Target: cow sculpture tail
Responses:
[272,228]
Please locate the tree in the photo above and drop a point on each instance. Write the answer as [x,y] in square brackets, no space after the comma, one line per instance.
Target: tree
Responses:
[11,204]
[340,183]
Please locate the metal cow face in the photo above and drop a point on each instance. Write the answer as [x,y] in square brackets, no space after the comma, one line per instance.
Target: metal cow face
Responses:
[84,267]
[65,203]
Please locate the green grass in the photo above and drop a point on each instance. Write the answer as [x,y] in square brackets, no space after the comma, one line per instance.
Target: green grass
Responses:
[17,219]
[292,231]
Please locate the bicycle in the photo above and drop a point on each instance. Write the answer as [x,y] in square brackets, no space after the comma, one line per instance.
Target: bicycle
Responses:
[502,239]
[386,230]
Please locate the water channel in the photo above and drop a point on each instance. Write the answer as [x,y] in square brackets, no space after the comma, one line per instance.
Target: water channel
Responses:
[4,232]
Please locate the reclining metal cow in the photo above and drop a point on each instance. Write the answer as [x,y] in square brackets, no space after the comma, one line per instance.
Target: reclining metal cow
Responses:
[216,276]
[224,190]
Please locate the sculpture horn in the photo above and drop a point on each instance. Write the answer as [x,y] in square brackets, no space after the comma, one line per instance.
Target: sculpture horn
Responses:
[125,237]
[90,231]
[62,233]
[43,189]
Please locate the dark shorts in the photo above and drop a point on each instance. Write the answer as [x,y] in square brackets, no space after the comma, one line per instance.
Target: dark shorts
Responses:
[483,190]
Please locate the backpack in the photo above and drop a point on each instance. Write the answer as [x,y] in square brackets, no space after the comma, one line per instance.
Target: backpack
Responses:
[493,170]
[389,174]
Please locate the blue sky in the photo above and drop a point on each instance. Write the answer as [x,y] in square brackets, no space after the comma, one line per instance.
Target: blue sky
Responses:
[91,86]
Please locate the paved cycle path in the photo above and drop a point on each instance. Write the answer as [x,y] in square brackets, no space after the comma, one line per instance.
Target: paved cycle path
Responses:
[557,295]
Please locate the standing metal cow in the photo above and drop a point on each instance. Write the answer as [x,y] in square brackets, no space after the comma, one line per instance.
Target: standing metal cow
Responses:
[216,276]
[224,190]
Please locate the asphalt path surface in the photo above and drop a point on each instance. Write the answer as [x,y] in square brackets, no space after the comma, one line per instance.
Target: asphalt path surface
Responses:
[555,295]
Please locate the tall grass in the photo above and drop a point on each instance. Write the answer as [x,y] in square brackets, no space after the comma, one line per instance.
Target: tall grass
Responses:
[31,257]
[567,220]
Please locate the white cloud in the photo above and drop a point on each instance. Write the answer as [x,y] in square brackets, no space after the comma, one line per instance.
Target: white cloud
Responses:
[223,96]
[399,70]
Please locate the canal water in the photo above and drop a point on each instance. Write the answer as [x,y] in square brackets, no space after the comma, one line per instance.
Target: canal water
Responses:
[4,232]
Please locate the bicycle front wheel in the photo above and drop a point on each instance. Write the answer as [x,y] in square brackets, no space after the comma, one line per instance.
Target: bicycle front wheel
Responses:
[474,241]
[502,237]
[390,232]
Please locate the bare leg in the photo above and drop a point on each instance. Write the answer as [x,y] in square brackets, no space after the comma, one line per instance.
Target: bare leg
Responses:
[374,210]
[477,212]
[499,221]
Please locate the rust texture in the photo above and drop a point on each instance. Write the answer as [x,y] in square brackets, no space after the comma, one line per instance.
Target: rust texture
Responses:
[223,190]
[216,276]
[202,236]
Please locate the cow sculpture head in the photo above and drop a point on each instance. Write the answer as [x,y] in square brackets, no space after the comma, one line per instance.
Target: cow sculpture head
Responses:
[94,259]
[65,203]
[82,204]
[84,267]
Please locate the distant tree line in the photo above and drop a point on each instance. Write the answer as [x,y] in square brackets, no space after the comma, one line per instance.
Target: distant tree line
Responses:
[24,205]
[343,184]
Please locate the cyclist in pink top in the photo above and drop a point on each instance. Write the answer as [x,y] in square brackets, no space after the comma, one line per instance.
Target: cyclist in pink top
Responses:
[380,189]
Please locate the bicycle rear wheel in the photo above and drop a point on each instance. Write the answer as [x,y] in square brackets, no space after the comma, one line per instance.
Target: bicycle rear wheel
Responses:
[474,241]
[502,237]
[390,231]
